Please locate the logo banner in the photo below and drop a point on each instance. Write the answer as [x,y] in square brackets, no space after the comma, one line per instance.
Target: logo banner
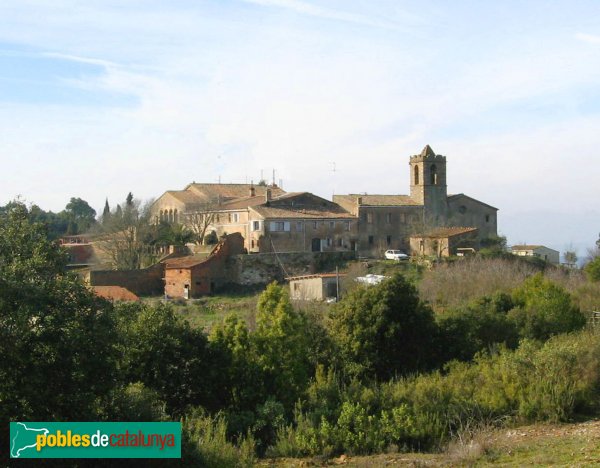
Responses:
[95,440]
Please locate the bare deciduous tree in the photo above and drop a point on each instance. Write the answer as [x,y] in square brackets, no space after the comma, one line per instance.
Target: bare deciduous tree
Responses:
[201,220]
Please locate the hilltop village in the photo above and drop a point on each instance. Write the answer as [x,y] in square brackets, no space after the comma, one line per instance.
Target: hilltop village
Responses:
[428,221]
[251,234]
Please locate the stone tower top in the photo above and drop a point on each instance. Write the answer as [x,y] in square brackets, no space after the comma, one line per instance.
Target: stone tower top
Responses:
[427,155]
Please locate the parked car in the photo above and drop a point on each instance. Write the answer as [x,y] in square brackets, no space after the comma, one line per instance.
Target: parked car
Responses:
[397,255]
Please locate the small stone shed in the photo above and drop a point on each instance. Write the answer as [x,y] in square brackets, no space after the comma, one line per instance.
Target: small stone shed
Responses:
[318,287]
[195,276]
[444,242]
[539,251]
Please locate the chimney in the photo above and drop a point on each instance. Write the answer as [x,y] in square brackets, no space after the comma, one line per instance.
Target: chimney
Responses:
[252,191]
[359,200]
[268,195]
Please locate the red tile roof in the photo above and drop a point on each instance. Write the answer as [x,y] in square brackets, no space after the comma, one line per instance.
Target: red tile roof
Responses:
[115,293]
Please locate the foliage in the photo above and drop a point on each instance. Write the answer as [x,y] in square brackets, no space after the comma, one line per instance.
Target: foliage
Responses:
[493,247]
[537,382]
[482,325]
[592,269]
[81,214]
[571,257]
[383,330]
[205,443]
[166,355]
[52,329]
[451,285]
[544,309]
[127,236]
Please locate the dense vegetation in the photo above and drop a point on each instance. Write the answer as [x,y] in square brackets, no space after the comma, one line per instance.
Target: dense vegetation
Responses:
[382,371]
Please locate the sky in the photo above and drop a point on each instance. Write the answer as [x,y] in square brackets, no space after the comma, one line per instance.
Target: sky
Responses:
[102,97]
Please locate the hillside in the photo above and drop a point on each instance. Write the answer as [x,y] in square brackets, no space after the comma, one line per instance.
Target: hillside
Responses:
[576,444]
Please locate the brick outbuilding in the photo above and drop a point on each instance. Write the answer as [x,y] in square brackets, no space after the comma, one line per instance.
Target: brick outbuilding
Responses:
[194,276]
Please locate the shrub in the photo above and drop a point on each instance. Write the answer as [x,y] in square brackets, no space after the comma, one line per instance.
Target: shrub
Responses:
[592,269]
[544,309]
[204,443]
[383,330]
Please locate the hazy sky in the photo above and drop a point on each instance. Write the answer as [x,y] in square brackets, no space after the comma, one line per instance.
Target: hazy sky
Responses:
[102,97]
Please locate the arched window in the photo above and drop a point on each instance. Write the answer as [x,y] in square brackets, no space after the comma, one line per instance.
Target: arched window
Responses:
[170,216]
[416,175]
[433,174]
[175,217]
[161,216]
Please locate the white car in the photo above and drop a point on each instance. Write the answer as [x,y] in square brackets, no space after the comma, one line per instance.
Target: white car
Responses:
[397,255]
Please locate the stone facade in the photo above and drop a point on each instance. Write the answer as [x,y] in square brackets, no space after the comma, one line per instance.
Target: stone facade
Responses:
[271,220]
[445,242]
[389,221]
[539,251]
[315,287]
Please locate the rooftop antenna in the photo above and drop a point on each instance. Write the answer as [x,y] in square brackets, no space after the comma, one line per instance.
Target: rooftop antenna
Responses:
[333,177]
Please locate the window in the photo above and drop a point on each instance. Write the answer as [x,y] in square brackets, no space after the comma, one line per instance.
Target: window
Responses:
[279,226]
[314,225]
[388,218]
[256,225]
[389,240]
[462,209]
[332,224]
[339,242]
[299,226]
[252,244]
[347,225]
[234,217]
[433,174]
[487,218]
[370,240]
[416,175]
[369,218]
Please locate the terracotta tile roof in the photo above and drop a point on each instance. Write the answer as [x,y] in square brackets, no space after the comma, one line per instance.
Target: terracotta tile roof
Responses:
[462,195]
[115,293]
[446,232]
[240,204]
[287,213]
[378,200]
[80,254]
[187,197]
[317,275]
[230,191]
[184,262]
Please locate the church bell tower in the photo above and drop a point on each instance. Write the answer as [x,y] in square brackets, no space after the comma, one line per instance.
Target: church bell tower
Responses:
[428,186]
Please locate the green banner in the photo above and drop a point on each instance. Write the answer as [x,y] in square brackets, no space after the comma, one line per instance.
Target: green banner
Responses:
[95,440]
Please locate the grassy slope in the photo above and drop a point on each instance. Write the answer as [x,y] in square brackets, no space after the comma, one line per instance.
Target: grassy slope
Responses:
[538,445]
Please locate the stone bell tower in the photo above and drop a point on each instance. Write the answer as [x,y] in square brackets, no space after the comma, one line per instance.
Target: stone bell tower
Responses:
[428,186]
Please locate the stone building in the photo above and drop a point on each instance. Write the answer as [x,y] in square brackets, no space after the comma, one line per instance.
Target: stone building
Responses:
[318,287]
[268,219]
[539,251]
[389,221]
[271,220]
[445,242]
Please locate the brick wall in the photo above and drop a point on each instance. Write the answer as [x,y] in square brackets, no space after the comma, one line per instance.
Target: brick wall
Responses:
[145,282]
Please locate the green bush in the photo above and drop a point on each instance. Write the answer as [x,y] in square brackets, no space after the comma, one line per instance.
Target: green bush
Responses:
[205,443]
[592,269]
[544,309]
[384,330]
